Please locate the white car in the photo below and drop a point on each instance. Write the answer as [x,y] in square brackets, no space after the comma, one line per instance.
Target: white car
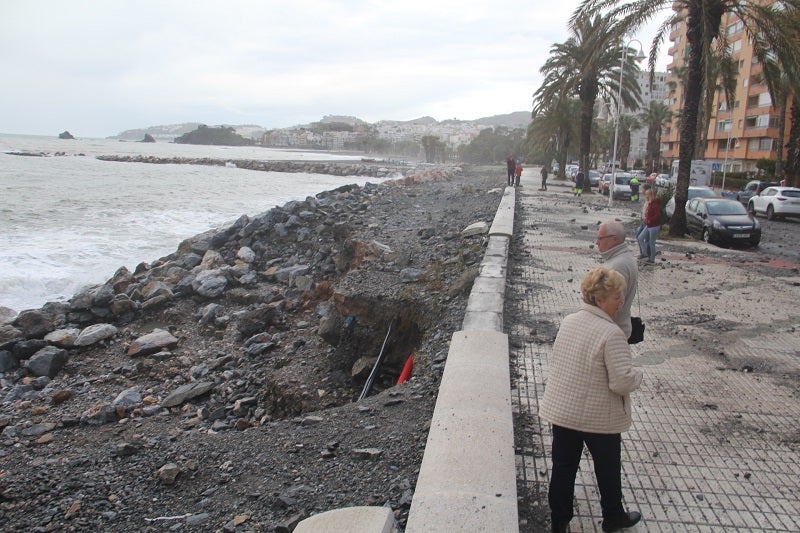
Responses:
[776,202]
[622,188]
[693,192]
[570,171]
[663,181]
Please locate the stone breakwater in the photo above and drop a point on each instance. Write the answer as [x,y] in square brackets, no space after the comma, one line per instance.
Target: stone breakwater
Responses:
[317,167]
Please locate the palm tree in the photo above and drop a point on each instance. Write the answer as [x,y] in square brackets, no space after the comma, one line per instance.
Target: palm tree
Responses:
[587,65]
[772,29]
[653,119]
[720,66]
[554,129]
[781,85]
[793,146]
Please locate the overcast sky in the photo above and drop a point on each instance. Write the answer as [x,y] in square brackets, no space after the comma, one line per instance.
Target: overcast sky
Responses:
[96,68]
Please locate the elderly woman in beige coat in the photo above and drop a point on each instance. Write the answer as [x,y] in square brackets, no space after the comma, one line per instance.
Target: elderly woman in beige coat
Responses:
[586,400]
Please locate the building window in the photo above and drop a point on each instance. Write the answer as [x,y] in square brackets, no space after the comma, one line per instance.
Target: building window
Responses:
[736,46]
[724,125]
[765,144]
[736,27]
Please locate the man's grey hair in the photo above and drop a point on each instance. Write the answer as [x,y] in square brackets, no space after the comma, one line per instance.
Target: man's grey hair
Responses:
[616,229]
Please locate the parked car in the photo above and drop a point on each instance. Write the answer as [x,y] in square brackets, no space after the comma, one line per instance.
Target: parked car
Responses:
[622,188]
[594,177]
[570,171]
[776,202]
[693,192]
[722,221]
[604,184]
[753,188]
[663,181]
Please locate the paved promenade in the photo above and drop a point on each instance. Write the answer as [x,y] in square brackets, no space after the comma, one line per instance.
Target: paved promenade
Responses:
[715,440]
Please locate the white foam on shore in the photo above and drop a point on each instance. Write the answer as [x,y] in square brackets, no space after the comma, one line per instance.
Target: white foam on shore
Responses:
[68,222]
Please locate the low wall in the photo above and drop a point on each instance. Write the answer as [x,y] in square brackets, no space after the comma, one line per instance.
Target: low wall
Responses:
[468,480]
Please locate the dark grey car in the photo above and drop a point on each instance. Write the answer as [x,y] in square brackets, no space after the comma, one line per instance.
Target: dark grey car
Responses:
[753,188]
[722,221]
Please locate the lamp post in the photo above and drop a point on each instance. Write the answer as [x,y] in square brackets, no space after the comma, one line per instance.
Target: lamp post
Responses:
[622,55]
[725,165]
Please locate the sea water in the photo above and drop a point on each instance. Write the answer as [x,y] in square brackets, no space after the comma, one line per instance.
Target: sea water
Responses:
[72,220]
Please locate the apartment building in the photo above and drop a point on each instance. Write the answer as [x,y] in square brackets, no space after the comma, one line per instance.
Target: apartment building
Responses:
[650,93]
[740,132]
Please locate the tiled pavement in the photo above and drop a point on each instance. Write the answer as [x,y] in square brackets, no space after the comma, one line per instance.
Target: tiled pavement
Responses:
[715,440]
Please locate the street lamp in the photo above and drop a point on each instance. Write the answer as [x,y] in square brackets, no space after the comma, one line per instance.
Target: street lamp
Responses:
[725,165]
[622,55]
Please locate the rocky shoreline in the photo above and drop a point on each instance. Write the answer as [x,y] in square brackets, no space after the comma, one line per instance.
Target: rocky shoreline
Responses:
[215,386]
[334,168]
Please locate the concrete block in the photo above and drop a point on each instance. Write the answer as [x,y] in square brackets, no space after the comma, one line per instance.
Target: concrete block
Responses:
[487,284]
[351,519]
[483,321]
[497,246]
[467,480]
[503,223]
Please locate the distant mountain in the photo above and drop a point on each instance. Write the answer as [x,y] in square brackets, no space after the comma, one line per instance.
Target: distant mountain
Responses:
[518,119]
[169,133]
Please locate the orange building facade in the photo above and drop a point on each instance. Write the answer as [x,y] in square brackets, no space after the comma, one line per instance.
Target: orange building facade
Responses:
[745,129]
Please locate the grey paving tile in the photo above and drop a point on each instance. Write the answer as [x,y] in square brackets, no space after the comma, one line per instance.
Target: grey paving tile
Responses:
[711,446]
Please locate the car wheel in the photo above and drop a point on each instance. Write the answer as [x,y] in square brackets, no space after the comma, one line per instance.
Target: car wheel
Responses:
[707,235]
[751,209]
[770,213]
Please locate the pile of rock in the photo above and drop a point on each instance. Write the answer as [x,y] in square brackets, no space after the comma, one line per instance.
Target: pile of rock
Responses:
[242,283]
[149,402]
[314,167]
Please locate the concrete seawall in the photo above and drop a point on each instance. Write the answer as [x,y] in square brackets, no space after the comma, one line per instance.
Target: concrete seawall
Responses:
[467,480]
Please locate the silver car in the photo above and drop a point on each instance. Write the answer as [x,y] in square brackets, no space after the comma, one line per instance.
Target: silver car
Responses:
[694,192]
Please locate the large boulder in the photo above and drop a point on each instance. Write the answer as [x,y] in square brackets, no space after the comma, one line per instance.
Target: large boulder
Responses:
[48,361]
[152,343]
[95,333]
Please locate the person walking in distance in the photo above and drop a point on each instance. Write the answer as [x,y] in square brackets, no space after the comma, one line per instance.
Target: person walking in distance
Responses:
[643,253]
[652,221]
[617,256]
[579,182]
[634,184]
[518,172]
[586,399]
[510,167]
[544,179]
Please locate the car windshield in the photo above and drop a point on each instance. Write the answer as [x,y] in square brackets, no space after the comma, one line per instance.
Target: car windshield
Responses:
[725,207]
[623,180]
[701,193]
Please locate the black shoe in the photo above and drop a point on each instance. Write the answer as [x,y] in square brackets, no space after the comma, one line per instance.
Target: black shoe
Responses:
[559,527]
[629,520]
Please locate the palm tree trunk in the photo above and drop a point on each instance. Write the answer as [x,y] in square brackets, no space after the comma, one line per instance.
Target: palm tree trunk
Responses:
[793,146]
[782,107]
[587,115]
[689,115]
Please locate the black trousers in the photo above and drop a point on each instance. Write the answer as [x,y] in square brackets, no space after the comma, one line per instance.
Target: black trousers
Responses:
[567,449]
